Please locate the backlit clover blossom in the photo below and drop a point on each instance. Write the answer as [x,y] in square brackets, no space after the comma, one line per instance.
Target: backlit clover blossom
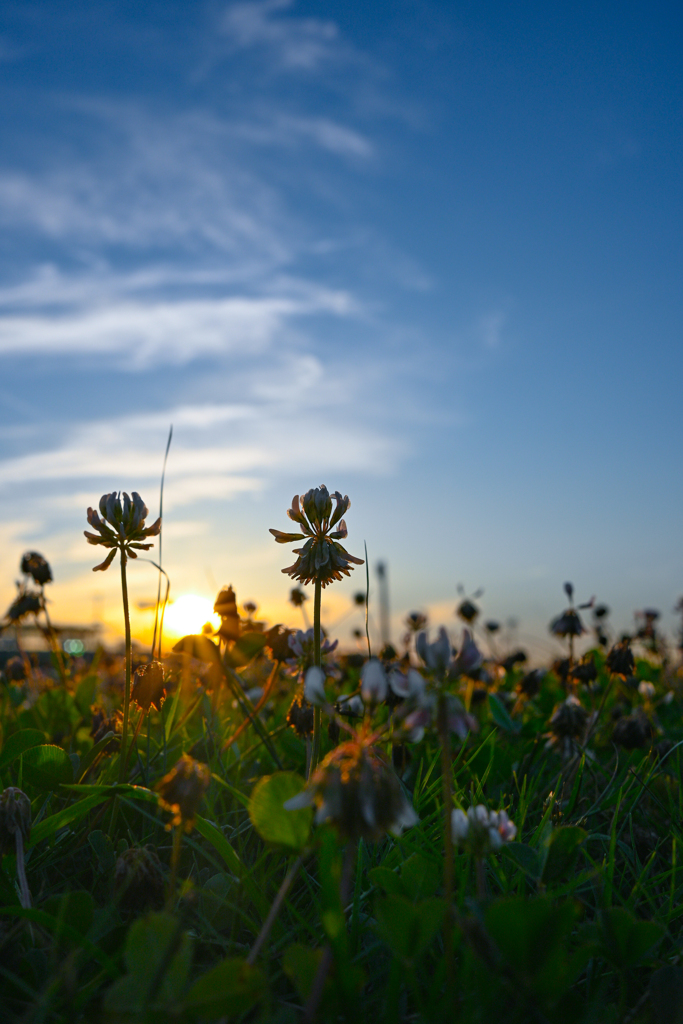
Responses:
[481,832]
[302,648]
[358,792]
[321,558]
[122,526]
[182,791]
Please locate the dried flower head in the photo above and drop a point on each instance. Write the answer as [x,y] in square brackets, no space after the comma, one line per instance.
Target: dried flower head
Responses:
[567,624]
[633,731]
[34,565]
[182,791]
[149,688]
[15,817]
[27,602]
[122,526]
[356,790]
[139,879]
[321,558]
[14,670]
[481,832]
[416,621]
[620,660]
[300,716]
[297,597]
[225,605]
[277,642]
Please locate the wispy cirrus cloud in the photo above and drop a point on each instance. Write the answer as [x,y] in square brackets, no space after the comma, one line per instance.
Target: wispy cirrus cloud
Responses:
[295,43]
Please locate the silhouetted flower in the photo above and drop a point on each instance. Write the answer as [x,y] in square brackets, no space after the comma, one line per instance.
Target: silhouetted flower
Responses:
[181,791]
[278,642]
[34,565]
[321,558]
[300,716]
[302,648]
[467,610]
[122,526]
[297,597]
[633,731]
[530,684]
[27,602]
[567,624]
[620,660]
[149,689]
[436,655]
[516,658]
[585,672]
[416,621]
[14,670]
[356,790]
[225,605]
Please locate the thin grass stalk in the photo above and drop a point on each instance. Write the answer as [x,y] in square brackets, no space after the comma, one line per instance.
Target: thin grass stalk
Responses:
[161,513]
[274,910]
[24,891]
[315,755]
[262,700]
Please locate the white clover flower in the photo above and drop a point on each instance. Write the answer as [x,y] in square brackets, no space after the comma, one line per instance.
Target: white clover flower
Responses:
[374,684]
[437,655]
[480,831]
[646,690]
[409,685]
[314,686]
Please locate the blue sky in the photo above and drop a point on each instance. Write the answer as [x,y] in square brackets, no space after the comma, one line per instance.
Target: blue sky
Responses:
[428,254]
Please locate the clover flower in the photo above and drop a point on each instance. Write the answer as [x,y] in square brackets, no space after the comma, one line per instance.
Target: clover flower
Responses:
[300,716]
[358,792]
[139,879]
[436,655]
[37,567]
[321,558]
[633,731]
[620,660]
[27,602]
[374,684]
[302,646]
[122,526]
[480,831]
[225,605]
[181,791]
[149,687]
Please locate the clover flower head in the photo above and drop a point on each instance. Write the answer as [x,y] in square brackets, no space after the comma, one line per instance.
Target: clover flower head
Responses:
[37,567]
[181,791]
[409,685]
[314,686]
[300,716]
[480,831]
[121,526]
[149,688]
[567,624]
[321,558]
[358,792]
[646,690]
[27,602]
[374,685]
[436,655]
[620,660]
[469,657]
[139,879]
[302,646]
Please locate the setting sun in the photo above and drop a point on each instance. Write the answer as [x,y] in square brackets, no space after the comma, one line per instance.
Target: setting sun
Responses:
[188,613]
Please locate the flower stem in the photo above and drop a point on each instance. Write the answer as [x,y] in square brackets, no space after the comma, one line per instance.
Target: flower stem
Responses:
[175,859]
[315,756]
[446,769]
[126,694]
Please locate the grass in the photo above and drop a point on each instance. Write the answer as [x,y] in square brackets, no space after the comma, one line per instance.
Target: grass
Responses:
[269,917]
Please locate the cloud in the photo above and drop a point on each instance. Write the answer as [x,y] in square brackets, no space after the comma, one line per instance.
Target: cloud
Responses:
[143,334]
[294,43]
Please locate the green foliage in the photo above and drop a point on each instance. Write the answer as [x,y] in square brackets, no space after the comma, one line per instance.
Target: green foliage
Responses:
[269,817]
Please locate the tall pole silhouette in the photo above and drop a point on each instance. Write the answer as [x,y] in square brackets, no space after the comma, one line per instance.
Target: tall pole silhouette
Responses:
[384,629]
